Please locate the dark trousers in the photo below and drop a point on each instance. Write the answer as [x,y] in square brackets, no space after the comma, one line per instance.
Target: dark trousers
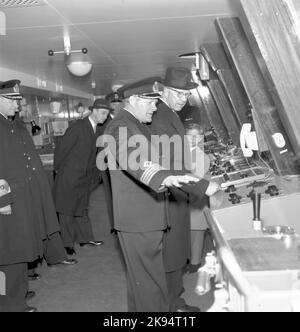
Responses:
[54,252]
[146,281]
[175,285]
[16,288]
[75,229]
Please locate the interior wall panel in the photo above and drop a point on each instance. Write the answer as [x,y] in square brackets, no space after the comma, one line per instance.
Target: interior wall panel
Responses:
[238,48]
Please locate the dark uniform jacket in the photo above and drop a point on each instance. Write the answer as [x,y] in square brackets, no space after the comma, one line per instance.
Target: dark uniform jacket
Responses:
[176,251]
[138,200]
[75,166]
[106,177]
[33,216]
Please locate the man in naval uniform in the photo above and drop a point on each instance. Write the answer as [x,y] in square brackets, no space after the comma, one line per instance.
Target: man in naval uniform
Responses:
[27,214]
[139,186]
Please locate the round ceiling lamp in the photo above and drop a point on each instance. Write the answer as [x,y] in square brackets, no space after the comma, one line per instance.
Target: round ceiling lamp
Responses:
[79,68]
[79,64]
[77,61]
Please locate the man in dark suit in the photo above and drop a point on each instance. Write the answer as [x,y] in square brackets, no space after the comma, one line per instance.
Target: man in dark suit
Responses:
[139,187]
[27,213]
[77,176]
[176,90]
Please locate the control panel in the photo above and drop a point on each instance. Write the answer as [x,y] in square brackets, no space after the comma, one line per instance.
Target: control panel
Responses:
[240,178]
[232,169]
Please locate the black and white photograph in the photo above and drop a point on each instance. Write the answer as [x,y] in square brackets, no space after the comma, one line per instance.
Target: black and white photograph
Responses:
[149,159]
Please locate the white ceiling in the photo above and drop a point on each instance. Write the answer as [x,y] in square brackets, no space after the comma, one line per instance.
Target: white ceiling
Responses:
[127,40]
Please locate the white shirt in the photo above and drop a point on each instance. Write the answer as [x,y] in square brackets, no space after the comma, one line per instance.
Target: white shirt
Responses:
[93,123]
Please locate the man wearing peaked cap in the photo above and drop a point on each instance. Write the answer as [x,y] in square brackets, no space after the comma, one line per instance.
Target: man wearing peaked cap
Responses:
[143,88]
[138,189]
[176,91]
[27,214]
[10,89]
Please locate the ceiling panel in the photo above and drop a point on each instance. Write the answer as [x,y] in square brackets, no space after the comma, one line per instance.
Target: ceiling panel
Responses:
[182,34]
[126,39]
[25,17]
[110,10]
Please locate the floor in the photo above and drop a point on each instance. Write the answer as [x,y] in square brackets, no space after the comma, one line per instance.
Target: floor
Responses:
[97,283]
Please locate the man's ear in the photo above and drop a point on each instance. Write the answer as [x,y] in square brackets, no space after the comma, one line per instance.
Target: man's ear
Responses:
[132,101]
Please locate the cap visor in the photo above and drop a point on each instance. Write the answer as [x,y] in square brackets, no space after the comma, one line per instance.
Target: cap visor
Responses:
[150,96]
[16,97]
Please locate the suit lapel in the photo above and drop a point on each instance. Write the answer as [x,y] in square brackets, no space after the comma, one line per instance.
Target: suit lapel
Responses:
[175,122]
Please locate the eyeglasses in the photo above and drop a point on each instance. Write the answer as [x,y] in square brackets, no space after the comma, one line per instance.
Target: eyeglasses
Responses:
[181,94]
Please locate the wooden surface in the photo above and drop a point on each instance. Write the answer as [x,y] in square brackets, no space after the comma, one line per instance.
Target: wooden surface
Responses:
[225,110]
[236,94]
[275,30]
[265,254]
[238,48]
[216,57]
[224,68]
[213,115]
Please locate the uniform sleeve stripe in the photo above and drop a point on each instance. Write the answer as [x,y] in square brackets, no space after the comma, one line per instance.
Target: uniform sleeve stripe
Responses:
[149,169]
[150,175]
[150,172]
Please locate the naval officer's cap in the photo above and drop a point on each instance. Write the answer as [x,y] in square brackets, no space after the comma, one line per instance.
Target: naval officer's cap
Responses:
[143,89]
[10,89]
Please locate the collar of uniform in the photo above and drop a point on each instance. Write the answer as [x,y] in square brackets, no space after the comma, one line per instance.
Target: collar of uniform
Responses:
[132,115]
[93,123]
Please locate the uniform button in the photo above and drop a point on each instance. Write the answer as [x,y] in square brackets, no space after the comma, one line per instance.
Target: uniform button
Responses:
[27,166]
[33,169]
[29,179]
[29,158]
[12,131]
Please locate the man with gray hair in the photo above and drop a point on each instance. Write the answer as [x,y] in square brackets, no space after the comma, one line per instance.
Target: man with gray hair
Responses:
[175,92]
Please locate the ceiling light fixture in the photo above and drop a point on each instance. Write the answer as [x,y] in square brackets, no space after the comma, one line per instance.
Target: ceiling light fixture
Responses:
[78,64]
[77,61]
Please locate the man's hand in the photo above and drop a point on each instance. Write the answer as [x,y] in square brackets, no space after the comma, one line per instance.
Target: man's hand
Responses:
[213,187]
[177,181]
[4,187]
[5,211]
[4,190]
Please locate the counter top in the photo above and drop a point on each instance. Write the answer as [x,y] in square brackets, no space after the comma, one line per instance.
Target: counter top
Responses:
[254,250]
[266,254]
